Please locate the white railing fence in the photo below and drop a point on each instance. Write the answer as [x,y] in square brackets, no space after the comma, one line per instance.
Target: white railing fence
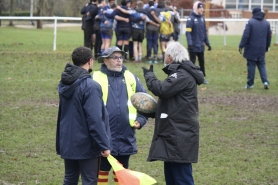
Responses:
[236,26]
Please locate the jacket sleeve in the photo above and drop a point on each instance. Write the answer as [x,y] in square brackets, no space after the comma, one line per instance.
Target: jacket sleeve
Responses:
[140,88]
[268,39]
[111,15]
[171,86]
[94,109]
[206,34]
[189,29]
[83,10]
[246,35]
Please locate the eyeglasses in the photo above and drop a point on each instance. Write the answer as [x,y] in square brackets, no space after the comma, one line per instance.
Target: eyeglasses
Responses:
[116,58]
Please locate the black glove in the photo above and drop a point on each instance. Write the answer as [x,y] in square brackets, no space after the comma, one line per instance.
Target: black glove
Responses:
[147,115]
[190,48]
[240,50]
[145,70]
[209,47]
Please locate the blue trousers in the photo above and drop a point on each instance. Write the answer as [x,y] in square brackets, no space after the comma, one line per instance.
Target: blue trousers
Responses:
[88,168]
[251,66]
[178,173]
[152,42]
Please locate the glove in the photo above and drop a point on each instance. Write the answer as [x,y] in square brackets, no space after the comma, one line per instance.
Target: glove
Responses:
[190,48]
[240,50]
[145,70]
[209,47]
[147,115]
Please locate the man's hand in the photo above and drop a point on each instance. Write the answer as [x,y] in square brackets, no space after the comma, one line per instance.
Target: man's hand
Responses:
[240,50]
[137,125]
[209,47]
[105,153]
[145,70]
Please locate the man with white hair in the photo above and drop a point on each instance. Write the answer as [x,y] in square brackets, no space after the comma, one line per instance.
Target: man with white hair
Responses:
[176,136]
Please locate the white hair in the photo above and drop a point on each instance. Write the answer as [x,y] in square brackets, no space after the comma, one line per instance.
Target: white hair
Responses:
[176,51]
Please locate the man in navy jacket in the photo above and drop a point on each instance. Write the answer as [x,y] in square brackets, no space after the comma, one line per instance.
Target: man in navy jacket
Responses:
[256,40]
[83,133]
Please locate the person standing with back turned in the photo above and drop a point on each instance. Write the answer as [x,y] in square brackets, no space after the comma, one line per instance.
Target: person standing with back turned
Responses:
[196,35]
[176,132]
[256,40]
[83,133]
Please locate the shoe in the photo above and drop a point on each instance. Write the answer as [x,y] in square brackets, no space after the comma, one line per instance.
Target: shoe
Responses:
[155,62]
[249,87]
[205,81]
[266,85]
[150,62]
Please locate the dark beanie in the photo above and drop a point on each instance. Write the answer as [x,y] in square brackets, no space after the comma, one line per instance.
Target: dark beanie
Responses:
[256,10]
[200,5]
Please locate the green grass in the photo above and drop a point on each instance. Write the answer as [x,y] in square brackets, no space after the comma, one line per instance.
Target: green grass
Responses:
[239,131]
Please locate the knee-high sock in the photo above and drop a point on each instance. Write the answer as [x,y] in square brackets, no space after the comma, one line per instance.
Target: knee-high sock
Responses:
[103,177]
[115,178]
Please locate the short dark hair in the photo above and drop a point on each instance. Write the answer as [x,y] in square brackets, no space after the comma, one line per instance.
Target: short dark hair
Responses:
[123,2]
[81,55]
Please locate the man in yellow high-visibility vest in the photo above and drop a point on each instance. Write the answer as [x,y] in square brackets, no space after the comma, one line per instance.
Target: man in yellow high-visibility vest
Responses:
[118,84]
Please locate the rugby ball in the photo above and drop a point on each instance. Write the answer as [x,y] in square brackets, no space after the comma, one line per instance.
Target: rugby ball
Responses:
[143,102]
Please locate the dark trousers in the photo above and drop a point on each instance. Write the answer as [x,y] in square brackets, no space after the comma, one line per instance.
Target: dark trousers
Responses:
[98,43]
[152,42]
[201,60]
[251,66]
[178,173]
[88,168]
[88,37]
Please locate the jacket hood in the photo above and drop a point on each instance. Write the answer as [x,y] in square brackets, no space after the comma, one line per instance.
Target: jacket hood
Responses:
[108,72]
[259,15]
[71,78]
[195,71]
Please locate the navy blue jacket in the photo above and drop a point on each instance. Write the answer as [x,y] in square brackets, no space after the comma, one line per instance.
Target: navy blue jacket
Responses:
[123,135]
[256,37]
[198,36]
[120,24]
[82,124]
[88,20]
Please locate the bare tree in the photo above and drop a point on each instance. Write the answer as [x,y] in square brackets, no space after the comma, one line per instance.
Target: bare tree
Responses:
[11,11]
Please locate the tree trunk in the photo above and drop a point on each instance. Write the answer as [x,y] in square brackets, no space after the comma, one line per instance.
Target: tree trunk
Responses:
[1,3]
[11,12]
[40,6]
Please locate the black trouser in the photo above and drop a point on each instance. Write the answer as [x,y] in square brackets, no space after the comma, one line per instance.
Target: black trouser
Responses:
[201,60]
[88,37]
[98,43]
[88,168]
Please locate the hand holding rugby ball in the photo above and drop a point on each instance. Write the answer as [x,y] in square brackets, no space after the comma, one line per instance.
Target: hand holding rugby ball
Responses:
[143,102]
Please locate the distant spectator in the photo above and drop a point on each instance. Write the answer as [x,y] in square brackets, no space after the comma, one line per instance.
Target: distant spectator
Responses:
[256,40]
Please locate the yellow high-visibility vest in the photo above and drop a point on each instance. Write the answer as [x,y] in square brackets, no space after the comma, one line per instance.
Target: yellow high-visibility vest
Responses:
[130,81]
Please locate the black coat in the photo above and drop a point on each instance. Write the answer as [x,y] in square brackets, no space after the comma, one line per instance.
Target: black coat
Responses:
[83,121]
[176,134]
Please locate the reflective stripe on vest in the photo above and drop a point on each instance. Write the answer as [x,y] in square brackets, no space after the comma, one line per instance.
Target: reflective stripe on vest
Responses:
[130,81]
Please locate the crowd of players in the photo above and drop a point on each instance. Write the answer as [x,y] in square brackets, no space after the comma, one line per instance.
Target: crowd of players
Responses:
[158,22]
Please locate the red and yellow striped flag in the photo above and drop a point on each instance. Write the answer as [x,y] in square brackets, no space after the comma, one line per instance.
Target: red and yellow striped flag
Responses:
[127,177]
